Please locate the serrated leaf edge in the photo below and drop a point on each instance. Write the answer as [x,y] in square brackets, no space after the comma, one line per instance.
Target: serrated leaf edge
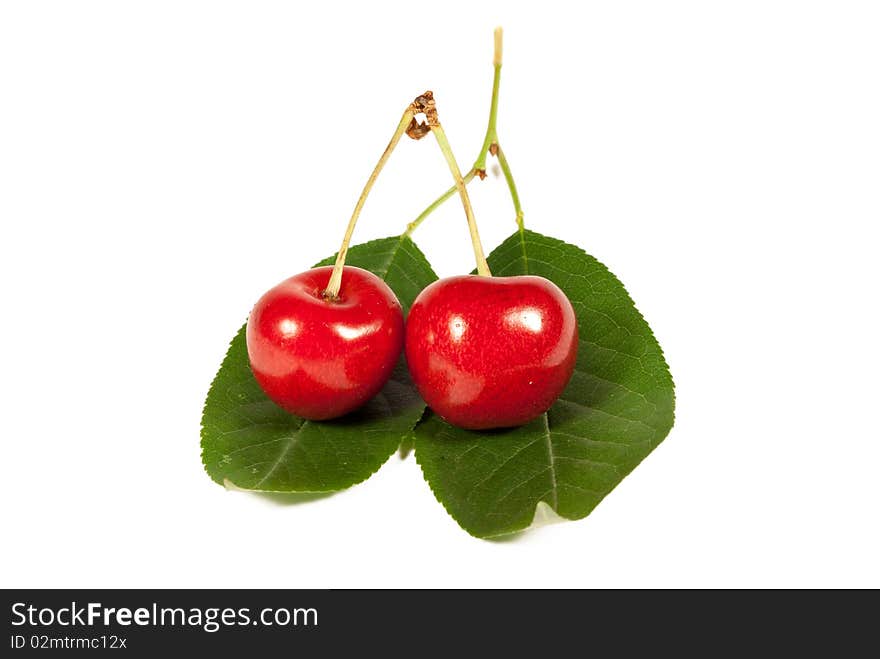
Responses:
[521,234]
[402,241]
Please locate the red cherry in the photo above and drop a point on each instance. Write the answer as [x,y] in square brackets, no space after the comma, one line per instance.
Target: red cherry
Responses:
[491,352]
[320,358]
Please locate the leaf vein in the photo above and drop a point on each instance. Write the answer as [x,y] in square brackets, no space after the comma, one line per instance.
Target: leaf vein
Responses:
[500,466]
[546,419]
[281,456]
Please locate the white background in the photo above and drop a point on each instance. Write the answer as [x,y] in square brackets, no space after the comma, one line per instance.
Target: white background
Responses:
[163,163]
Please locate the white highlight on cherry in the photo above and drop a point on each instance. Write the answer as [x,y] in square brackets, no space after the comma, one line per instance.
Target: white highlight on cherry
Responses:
[528,318]
[457,327]
[350,333]
[288,328]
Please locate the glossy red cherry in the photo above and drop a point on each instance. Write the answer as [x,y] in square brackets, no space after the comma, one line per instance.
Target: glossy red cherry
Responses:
[320,358]
[491,352]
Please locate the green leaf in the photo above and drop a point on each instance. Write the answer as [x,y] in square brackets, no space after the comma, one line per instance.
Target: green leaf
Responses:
[617,408]
[250,443]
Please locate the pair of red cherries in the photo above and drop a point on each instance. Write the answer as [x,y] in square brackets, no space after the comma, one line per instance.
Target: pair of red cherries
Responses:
[484,352]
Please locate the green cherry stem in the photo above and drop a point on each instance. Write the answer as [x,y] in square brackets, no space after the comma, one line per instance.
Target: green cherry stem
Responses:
[511,185]
[482,265]
[490,146]
[491,129]
[412,226]
[425,104]
[332,290]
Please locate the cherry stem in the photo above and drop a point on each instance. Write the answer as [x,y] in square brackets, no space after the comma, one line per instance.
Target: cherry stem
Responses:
[491,129]
[425,105]
[332,290]
[511,185]
[412,226]
[440,135]
[490,146]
